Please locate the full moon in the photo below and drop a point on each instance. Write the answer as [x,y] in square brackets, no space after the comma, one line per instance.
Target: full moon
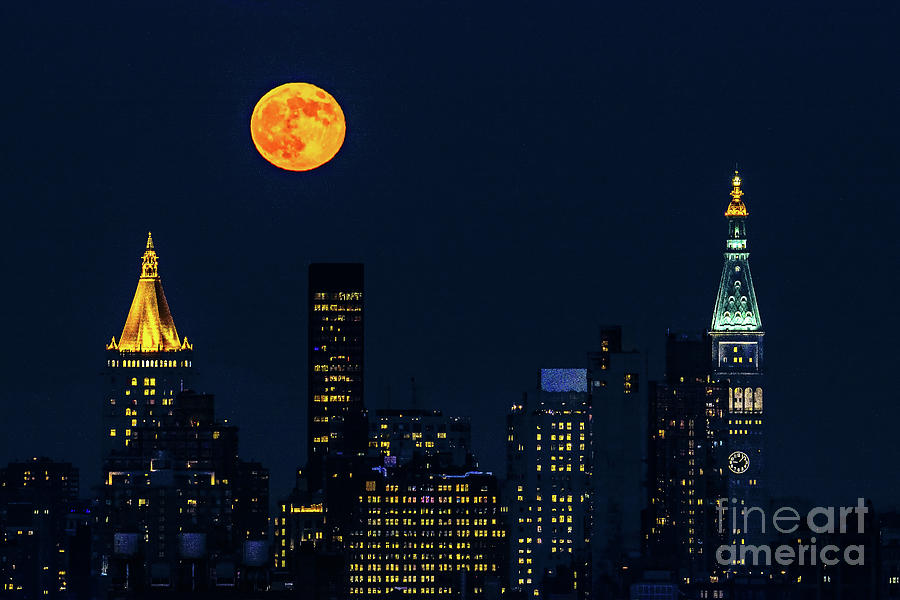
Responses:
[297,126]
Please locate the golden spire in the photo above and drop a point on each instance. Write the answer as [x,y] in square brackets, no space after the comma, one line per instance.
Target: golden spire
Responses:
[149,262]
[149,326]
[736,208]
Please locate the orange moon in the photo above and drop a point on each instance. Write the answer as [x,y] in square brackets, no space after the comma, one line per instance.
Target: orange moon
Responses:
[298,126]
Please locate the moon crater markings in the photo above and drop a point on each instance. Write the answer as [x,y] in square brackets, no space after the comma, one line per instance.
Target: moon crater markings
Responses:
[297,126]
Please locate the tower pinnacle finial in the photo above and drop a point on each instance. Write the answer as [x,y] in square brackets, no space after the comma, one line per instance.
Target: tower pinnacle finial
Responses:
[736,207]
[149,262]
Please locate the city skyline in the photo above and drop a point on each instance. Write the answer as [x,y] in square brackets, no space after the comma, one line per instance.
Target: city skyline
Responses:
[385,399]
[497,255]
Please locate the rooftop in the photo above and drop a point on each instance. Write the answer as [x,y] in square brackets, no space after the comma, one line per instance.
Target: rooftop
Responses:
[149,326]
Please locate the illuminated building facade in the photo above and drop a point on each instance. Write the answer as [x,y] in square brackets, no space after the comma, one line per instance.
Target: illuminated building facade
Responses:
[427,535]
[299,532]
[686,455]
[737,356]
[312,527]
[307,557]
[147,366]
[309,550]
[336,413]
[403,435]
[549,483]
[182,511]
[42,549]
[619,422]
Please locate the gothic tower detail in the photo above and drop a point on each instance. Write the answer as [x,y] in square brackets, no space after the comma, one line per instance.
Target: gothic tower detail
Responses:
[148,365]
[736,337]
[736,308]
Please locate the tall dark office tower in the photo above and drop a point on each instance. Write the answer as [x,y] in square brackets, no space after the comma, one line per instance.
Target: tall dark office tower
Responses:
[147,366]
[336,413]
[618,424]
[737,356]
[686,454]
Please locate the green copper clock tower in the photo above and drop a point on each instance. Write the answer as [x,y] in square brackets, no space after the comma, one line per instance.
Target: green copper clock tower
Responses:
[736,335]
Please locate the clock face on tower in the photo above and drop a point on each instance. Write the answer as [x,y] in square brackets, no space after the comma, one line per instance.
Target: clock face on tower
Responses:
[738,462]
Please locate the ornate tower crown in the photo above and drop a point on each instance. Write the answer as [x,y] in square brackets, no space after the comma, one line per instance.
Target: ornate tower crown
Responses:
[736,207]
[736,308]
[149,326]
[149,262]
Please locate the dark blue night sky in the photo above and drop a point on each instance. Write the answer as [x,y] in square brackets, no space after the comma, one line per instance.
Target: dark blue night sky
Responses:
[514,174]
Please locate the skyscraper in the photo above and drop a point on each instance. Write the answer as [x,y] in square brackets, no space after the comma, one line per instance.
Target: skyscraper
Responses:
[178,508]
[619,408]
[686,456]
[336,413]
[549,486]
[737,356]
[148,365]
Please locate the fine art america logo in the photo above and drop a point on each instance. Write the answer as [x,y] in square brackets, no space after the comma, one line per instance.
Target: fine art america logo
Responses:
[821,520]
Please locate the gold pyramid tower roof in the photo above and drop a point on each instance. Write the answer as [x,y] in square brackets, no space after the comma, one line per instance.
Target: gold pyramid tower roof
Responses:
[149,326]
